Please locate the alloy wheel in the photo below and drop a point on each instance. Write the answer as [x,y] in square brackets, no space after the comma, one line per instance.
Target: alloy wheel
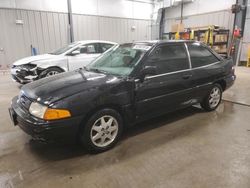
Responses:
[104,131]
[51,73]
[214,98]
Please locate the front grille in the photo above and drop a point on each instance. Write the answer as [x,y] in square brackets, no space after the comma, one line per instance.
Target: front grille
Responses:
[28,66]
[24,101]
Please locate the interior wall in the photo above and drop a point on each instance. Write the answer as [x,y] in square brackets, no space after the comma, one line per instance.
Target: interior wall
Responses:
[47,31]
[199,7]
[223,18]
[201,13]
[139,9]
[246,37]
[110,28]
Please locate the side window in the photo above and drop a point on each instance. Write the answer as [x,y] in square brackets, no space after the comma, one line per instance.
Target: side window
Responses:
[83,49]
[92,48]
[88,49]
[200,56]
[169,58]
[105,46]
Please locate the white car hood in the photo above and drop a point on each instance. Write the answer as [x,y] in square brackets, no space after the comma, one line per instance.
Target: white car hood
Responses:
[34,58]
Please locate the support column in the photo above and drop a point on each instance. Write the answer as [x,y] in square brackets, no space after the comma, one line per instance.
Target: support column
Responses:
[71,31]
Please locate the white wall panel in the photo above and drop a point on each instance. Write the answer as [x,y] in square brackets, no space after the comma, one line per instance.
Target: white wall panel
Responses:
[47,31]
[85,7]
[246,37]
[42,30]
[142,10]
[42,5]
[85,27]
[114,8]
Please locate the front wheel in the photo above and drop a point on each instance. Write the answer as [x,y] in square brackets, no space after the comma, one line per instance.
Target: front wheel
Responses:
[102,131]
[50,72]
[213,99]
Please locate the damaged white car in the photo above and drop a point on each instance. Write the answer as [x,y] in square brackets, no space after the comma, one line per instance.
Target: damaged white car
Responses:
[70,57]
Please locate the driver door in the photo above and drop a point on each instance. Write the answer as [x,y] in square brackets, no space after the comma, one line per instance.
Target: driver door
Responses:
[168,89]
[83,55]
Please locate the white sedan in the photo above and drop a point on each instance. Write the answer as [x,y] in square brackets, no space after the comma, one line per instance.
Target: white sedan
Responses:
[70,57]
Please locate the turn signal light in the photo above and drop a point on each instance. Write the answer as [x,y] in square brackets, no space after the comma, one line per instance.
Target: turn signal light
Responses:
[54,114]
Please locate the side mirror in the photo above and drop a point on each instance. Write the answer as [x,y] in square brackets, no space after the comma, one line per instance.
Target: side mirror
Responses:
[76,52]
[148,70]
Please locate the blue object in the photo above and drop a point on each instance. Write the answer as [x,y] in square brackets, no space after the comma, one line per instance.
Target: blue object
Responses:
[33,51]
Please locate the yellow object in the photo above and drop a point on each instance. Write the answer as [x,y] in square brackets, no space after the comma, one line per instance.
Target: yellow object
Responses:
[53,114]
[248,57]
[192,35]
[177,36]
[211,40]
[209,36]
[206,37]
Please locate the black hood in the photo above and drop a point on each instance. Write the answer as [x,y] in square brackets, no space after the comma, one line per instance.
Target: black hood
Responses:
[66,84]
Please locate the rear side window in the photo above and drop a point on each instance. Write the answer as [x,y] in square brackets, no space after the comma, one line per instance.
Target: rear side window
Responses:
[105,46]
[88,49]
[200,56]
[169,58]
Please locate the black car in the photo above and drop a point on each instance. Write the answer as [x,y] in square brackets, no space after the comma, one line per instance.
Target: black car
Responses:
[127,84]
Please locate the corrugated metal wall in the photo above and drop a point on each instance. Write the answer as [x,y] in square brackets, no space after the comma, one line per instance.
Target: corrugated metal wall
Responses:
[47,31]
[222,18]
[43,30]
[246,38]
[110,28]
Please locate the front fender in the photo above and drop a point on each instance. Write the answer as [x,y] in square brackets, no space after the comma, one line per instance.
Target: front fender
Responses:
[61,63]
[119,96]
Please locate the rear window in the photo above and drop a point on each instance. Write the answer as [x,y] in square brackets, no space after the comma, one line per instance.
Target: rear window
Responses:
[200,56]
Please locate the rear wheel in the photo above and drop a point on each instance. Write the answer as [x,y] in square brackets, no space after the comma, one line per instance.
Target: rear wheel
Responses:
[102,131]
[50,72]
[213,99]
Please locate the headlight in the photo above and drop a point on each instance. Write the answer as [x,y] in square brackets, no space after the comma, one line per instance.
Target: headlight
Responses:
[37,109]
[46,113]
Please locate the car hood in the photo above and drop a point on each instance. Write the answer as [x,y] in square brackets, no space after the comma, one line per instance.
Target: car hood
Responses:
[51,89]
[34,58]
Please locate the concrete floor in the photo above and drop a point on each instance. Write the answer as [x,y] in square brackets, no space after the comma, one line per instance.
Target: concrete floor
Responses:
[188,148]
[240,91]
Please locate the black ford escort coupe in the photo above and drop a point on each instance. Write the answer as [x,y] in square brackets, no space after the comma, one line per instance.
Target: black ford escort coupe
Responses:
[127,84]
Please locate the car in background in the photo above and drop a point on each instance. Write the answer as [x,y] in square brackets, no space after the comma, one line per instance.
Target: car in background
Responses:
[128,84]
[73,56]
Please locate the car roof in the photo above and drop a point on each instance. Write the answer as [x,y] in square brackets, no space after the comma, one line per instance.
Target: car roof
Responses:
[94,41]
[152,42]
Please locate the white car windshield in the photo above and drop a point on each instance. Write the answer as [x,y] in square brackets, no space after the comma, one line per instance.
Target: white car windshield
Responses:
[64,49]
[119,60]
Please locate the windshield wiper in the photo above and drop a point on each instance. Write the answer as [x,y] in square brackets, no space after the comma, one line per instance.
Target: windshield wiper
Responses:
[98,70]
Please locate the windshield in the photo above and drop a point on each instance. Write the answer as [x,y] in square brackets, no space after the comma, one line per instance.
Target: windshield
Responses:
[64,49]
[119,60]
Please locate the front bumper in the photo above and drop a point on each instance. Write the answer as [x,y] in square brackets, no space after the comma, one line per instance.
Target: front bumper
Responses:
[65,129]
[23,76]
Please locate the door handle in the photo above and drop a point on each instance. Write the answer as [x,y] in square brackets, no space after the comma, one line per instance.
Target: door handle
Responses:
[187,76]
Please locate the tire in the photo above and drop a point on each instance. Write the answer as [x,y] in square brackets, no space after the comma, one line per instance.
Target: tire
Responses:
[50,72]
[213,98]
[102,131]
